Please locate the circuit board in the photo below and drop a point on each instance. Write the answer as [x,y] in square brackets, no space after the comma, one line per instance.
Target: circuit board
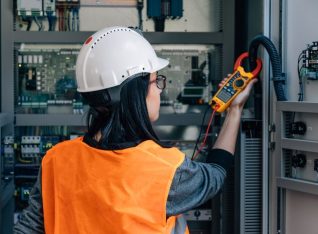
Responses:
[187,77]
[46,78]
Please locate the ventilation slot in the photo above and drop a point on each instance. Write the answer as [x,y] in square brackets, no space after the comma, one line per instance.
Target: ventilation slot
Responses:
[251,185]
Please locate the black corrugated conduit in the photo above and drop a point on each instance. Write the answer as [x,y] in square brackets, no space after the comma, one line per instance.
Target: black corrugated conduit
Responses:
[278,77]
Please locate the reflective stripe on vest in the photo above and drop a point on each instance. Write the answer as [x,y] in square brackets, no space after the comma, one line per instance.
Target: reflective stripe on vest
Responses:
[87,190]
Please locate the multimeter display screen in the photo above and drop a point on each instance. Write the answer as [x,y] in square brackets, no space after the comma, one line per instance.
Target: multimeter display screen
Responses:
[224,96]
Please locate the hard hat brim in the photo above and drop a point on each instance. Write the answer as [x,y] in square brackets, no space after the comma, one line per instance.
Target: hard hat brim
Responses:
[162,63]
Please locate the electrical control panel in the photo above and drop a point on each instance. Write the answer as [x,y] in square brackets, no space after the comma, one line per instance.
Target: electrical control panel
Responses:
[188,77]
[165,8]
[301,165]
[7,162]
[27,153]
[45,81]
[47,15]
[310,61]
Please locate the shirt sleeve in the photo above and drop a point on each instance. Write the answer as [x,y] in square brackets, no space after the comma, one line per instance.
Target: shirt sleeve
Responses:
[194,182]
[31,219]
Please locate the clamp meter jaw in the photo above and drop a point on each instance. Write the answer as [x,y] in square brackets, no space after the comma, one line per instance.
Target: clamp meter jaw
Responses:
[235,84]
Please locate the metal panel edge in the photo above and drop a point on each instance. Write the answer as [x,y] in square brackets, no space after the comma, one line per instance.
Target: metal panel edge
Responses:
[49,120]
[5,119]
[308,107]
[304,145]
[80,120]
[153,37]
[296,185]
[271,166]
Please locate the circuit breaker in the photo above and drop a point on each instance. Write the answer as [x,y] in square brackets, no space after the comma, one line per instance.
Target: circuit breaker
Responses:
[30,7]
[49,7]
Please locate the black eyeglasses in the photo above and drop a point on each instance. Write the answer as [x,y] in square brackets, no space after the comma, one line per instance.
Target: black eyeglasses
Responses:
[160,81]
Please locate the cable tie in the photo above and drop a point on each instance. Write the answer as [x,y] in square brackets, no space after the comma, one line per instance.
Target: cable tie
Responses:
[280,78]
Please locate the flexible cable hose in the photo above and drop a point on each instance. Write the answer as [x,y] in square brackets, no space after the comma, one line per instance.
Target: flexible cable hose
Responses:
[278,77]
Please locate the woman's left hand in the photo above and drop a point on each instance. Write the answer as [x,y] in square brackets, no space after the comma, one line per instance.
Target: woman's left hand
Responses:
[240,100]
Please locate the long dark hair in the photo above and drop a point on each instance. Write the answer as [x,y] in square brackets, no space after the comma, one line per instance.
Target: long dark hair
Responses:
[122,124]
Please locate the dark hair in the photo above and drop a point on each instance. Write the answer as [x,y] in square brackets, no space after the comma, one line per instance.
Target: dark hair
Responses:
[122,124]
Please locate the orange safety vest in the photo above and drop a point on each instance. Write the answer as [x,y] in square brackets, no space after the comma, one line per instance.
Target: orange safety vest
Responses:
[92,191]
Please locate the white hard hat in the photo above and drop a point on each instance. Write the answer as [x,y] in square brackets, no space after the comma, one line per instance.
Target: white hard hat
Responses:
[112,55]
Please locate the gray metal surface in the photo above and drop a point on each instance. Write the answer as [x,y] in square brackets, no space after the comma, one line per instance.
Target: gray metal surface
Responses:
[277,196]
[153,37]
[228,16]
[6,208]
[49,120]
[79,120]
[284,141]
[5,119]
[7,81]
[267,108]
[297,185]
[305,107]
[7,190]
[296,144]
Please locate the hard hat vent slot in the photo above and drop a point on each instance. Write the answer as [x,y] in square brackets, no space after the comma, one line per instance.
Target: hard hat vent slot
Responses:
[105,34]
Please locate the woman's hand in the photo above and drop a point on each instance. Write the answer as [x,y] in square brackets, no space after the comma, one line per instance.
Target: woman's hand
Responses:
[240,100]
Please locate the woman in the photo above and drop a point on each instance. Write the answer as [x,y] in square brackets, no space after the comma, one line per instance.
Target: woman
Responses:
[119,177]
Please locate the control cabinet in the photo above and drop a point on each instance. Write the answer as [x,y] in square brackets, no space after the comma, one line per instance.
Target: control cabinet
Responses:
[40,88]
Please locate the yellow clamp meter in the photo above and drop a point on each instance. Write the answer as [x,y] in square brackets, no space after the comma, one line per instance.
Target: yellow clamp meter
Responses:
[234,84]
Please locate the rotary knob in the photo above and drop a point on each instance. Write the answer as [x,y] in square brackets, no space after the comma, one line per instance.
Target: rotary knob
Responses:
[239,83]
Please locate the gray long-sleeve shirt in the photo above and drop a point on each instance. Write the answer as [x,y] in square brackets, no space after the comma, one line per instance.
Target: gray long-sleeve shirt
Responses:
[193,184]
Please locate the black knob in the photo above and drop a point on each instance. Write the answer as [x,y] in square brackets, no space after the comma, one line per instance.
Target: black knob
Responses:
[299,160]
[197,213]
[239,83]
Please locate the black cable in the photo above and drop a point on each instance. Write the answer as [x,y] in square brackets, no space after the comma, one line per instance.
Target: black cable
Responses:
[38,23]
[278,76]
[68,13]
[202,124]
[300,82]
[73,19]
[29,24]
[301,86]
[140,6]
[50,20]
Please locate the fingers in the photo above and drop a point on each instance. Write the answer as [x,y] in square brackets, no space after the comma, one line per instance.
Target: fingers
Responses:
[243,96]
[221,84]
[224,80]
[250,85]
[247,88]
